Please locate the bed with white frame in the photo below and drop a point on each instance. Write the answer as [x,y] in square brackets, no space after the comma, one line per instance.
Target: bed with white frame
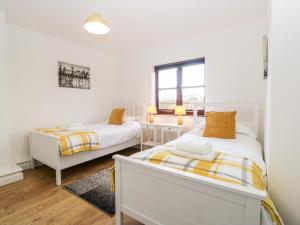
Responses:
[158,195]
[45,148]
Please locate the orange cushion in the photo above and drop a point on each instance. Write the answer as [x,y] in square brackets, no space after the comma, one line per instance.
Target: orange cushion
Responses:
[220,125]
[116,116]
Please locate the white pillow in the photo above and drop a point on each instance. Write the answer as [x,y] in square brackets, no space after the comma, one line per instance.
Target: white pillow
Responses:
[243,129]
[130,118]
[240,128]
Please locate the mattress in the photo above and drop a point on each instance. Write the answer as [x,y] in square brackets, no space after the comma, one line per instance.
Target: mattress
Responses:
[110,135]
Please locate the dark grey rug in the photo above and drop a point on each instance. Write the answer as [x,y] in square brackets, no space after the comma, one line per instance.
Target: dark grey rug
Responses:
[95,190]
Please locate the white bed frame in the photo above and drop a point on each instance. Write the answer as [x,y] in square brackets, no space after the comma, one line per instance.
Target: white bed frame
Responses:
[157,195]
[45,148]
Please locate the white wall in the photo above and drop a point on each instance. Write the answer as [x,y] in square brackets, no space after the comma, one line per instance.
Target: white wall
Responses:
[35,98]
[284,108]
[234,70]
[4,132]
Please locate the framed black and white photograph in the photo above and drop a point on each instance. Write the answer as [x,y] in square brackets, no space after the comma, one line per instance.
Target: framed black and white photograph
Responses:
[73,76]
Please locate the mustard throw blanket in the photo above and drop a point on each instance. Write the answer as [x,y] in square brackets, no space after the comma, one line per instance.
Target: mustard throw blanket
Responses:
[226,168]
[71,142]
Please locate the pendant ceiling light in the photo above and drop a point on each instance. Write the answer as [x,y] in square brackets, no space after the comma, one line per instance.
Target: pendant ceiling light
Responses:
[96,24]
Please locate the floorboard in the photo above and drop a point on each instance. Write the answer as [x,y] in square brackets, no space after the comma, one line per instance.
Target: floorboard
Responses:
[36,200]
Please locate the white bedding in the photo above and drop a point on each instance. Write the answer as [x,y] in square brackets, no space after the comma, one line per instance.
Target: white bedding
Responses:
[243,146]
[110,135]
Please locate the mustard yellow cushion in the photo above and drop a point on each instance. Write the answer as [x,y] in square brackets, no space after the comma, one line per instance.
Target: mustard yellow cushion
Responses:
[220,125]
[116,116]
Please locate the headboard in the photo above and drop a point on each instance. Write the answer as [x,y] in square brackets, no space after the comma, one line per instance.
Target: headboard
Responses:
[246,113]
[131,110]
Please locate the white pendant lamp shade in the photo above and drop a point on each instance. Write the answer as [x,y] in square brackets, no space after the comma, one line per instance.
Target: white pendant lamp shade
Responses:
[96,24]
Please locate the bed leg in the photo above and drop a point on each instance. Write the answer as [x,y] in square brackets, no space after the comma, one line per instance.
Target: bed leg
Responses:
[32,163]
[58,177]
[119,218]
[119,214]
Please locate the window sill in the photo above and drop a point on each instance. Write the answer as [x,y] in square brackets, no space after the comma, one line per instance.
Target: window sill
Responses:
[172,115]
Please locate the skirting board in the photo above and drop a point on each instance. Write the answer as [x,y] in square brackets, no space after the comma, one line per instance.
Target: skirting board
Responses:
[11,177]
[27,164]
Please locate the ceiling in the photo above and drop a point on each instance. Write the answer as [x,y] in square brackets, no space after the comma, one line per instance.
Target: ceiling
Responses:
[135,24]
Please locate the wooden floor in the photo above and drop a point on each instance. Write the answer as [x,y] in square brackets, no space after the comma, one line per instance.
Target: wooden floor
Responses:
[36,200]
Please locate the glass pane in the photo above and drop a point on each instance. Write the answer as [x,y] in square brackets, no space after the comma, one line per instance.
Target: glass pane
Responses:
[167,99]
[193,75]
[191,96]
[167,78]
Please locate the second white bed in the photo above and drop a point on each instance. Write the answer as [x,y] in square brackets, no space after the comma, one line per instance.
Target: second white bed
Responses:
[45,147]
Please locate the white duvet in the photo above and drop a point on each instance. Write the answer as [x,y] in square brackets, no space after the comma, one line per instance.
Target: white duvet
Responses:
[243,146]
[110,135]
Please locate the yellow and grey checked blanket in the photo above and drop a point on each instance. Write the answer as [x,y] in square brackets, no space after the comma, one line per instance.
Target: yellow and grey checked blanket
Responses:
[227,168]
[71,142]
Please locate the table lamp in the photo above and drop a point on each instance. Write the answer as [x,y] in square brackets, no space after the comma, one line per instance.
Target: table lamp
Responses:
[151,111]
[180,111]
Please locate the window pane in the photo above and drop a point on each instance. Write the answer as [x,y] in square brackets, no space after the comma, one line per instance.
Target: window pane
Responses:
[167,78]
[167,99]
[191,96]
[193,75]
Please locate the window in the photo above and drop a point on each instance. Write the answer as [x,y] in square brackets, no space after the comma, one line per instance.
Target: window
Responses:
[180,83]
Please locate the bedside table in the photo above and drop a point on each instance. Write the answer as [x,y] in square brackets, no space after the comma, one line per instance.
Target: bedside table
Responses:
[163,128]
[170,127]
[149,127]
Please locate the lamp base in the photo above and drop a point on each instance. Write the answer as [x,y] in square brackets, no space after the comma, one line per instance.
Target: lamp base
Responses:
[150,119]
[179,121]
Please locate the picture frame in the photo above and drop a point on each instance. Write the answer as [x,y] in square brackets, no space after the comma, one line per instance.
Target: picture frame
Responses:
[73,76]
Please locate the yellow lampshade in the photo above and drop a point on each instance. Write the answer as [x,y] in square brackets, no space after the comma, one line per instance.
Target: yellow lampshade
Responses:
[96,24]
[151,109]
[180,110]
